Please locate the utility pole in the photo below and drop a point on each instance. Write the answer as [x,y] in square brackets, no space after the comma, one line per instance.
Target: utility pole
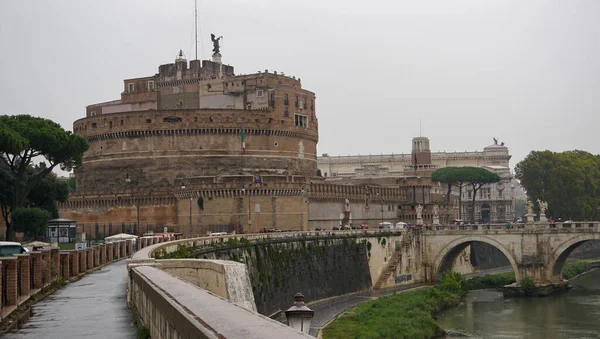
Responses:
[196,27]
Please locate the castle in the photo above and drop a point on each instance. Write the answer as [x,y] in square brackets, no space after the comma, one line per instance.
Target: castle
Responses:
[196,148]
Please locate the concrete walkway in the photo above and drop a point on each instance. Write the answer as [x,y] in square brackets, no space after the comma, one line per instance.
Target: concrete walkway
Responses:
[93,307]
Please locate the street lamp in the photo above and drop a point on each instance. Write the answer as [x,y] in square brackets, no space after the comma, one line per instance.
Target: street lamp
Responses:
[299,316]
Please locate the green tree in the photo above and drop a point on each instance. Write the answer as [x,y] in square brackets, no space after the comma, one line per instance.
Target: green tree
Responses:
[568,181]
[33,222]
[23,140]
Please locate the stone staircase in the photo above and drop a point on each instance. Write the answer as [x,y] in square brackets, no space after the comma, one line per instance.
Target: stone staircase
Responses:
[388,270]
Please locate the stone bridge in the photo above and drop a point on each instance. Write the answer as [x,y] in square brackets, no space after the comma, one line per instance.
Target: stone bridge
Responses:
[536,251]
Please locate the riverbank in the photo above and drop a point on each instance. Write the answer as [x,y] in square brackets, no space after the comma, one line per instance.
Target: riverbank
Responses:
[403,315]
[412,314]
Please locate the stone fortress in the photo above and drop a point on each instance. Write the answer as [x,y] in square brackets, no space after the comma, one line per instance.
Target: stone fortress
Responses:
[198,149]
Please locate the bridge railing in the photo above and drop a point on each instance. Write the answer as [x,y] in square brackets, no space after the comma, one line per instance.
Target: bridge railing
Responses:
[581,225]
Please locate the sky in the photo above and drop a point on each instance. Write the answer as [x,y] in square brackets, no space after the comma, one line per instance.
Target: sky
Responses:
[466,71]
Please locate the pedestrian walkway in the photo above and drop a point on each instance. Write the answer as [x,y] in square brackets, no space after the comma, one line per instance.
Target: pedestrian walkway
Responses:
[93,307]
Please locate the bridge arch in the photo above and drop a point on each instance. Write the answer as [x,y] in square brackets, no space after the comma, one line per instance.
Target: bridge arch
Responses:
[562,252]
[448,254]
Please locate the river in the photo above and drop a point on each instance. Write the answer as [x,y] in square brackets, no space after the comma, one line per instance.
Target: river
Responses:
[486,314]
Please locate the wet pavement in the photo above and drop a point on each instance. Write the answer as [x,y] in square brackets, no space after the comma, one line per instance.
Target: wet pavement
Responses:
[93,307]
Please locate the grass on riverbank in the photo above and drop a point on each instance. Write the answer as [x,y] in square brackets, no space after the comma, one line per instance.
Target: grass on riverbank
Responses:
[400,316]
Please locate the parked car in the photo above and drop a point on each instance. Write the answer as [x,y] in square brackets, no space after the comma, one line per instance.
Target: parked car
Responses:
[9,248]
[318,228]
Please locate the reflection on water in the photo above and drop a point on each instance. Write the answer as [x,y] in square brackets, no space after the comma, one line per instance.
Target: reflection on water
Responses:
[486,314]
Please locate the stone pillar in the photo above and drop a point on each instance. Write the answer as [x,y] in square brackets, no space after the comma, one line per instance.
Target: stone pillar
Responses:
[529,218]
[123,251]
[90,259]
[74,263]
[46,267]
[96,256]
[82,261]
[64,265]
[129,247]
[111,252]
[55,259]
[11,281]
[24,268]
[419,221]
[35,259]
[102,254]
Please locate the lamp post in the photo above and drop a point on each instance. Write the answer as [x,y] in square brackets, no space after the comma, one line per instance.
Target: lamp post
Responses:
[299,316]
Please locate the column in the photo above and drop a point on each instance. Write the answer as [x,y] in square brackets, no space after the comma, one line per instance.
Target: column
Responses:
[102,254]
[111,252]
[129,247]
[11,281]
[55,258]
[74,263]
[90,259]
[46,267]
[64,265]
[96,256]
[82,261]
[36,261]
[24,268]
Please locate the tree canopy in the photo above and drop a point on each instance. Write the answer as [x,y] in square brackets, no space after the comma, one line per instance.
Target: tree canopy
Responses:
[461,176]
[25,140]
[568,181]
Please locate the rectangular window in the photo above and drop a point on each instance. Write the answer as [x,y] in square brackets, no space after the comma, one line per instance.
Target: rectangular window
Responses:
[150,85]
[300,120]
[297,101]
[94,125]
[259,93]
[286,111]
[93,113]
[130,88]
[286,100]
[256,208]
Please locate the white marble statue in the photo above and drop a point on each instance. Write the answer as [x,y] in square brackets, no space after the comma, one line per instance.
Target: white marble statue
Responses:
[543,207]
[419,211]
[436,211]
[529,206]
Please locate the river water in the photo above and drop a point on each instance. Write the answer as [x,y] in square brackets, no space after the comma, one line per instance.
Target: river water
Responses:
[486,314]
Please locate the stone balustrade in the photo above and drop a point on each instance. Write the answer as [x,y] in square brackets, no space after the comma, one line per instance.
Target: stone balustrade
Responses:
[27,274]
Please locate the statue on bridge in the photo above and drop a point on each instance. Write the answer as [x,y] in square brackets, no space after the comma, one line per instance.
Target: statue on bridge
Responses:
[543,207]
[419,211]
[436,211]
[529,206]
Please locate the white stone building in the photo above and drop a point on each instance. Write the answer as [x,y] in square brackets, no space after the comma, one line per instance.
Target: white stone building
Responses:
[493,203]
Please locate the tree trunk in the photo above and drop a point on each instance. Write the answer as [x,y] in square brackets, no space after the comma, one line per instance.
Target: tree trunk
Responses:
[473,204]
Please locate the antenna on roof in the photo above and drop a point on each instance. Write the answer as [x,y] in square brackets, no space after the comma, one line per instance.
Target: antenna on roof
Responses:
[196,27]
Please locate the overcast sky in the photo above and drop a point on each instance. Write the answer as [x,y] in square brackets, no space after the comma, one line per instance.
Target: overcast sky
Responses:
[526,72]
